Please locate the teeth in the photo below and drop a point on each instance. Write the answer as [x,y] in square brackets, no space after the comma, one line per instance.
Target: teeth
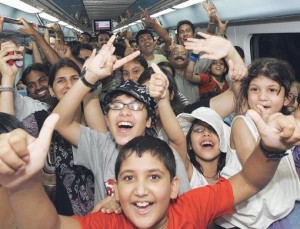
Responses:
[142,204]
[207,143]
[125,124]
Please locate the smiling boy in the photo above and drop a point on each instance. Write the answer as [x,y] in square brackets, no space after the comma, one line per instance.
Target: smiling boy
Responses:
[146,183]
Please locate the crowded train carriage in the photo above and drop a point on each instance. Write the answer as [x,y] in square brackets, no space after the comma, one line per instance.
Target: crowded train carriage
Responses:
[149,114]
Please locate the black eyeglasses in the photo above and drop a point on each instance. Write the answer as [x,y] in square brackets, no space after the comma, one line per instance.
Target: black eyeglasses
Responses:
[134,106]
[200,129]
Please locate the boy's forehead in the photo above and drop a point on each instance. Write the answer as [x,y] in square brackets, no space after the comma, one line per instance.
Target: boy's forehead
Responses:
[145,161]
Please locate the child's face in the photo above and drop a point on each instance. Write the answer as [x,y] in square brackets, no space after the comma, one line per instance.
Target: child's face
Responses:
[267,93]
[217,67]
[125,124]
[132,71]
[144,190]
[205,142]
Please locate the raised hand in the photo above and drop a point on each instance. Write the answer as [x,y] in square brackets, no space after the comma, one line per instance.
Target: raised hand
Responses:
[158,84]
[213,46]
[23,156]
[8,54]
[28,29]
[278,132]
[145,17]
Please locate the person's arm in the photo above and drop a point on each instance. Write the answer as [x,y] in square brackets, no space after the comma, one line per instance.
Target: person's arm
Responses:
[64,51]
[222,27]
[20,175]
[217,48]
[93,114]
[211,11]
[8,76]
[162,32]
[49,53]
[1,23]
[158,88]
[278,134]
[96,68]
[36,55]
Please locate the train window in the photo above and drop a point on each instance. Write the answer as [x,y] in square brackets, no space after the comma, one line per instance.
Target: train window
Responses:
[284,46]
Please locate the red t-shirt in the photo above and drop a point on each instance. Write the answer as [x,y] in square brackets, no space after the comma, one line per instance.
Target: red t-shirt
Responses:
[209,87]
[194,209]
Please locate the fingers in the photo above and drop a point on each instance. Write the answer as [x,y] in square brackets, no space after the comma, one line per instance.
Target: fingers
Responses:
[258,120]
[45,135]
[13,151]
[126,59]
[158,85]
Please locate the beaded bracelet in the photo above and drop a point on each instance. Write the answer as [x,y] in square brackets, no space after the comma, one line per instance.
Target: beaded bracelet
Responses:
[272,155]
[4,89]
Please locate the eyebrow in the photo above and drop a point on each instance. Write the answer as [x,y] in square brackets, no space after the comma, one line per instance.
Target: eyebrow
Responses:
[148,171]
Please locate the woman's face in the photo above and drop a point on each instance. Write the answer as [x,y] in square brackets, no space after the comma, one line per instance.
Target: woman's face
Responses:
[64,80]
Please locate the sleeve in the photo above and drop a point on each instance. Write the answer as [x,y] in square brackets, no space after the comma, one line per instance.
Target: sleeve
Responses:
[205,78]
[100,220]
[24,106]
[91,148]
[211,201]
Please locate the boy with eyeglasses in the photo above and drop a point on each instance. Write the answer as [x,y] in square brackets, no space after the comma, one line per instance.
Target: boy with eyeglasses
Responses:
[130,112]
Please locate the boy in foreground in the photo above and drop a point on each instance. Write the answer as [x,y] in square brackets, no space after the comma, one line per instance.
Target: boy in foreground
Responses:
[146,181]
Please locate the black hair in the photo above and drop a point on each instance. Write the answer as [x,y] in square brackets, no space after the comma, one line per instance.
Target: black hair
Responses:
[87,34]
[185,22]
[147,144]
[240,51]
[275,69]
[65,62]
[71,44]
[76,48]
[34,67]
[120,49]
[103,32]
[192,154]
[176,104]
[166,64]
[141,60]
[9,123]
[141,32]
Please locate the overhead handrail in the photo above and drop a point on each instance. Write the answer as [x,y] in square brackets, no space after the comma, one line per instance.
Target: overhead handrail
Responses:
[18,22]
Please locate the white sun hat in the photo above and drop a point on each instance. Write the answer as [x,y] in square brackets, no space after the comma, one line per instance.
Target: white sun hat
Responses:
[212,118]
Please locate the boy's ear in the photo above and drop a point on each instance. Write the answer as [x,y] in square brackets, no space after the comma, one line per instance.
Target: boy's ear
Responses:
[174,188]
[107,121]
[149,122]
[172,95]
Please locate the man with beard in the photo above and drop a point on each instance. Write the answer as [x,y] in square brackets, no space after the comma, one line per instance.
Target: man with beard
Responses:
[145,41]
[179,59]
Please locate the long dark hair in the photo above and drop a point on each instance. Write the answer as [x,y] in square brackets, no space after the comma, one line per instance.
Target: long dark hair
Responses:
[192,154]
[278,70]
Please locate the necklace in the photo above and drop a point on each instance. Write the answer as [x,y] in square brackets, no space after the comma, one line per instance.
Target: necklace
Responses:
[216,175]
